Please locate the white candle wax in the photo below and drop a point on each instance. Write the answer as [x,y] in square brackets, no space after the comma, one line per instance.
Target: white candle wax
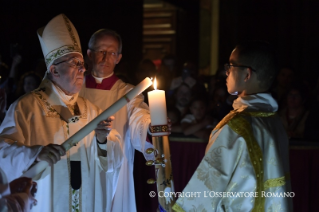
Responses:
[78,136]
[157,104]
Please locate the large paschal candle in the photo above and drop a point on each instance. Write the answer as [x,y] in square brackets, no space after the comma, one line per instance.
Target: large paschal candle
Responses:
[157,104]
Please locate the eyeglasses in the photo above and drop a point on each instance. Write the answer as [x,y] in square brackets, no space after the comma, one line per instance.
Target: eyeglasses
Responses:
[104,53]
[228,65]
[74,62]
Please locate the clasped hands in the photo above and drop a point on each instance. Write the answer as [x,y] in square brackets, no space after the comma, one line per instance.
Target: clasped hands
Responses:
[52,153]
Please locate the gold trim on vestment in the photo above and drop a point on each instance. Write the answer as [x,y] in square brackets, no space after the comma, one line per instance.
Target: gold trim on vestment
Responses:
[233,113]
[242,127]
[259,114]
[226,119]
[48,109]
[177,208]
[51,112]
[276,182]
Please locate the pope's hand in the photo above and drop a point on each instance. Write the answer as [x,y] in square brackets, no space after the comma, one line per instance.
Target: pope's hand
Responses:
[103,129]
[51,153]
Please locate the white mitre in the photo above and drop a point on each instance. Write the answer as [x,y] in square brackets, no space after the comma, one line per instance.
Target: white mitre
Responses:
[58,38]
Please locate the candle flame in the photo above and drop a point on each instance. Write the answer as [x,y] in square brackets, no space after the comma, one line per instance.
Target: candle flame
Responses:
[155,84]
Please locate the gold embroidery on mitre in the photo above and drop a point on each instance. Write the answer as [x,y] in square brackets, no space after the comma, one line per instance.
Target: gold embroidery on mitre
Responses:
[69,27]
[57,53]
[276,182]
[63,50]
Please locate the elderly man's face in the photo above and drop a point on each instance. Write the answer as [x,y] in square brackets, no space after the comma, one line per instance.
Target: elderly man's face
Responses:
[68,73]
[104,56]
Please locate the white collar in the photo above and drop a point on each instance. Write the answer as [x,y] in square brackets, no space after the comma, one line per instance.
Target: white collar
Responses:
[58,100]
[68,100]
[99,80]
[257,102]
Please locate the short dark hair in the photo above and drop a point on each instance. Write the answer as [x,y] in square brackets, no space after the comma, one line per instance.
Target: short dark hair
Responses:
[105,32]
[261,57]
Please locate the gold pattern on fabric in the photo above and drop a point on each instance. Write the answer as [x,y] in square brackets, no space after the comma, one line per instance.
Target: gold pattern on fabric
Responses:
[259,114]
[242,127]
[83,111]
[159,128]
[276,182]
[57,53]
[226,119]
[177,208]
[49,110]
[66,136]
[204,171]
[68,26]
[233,113]
[275,207]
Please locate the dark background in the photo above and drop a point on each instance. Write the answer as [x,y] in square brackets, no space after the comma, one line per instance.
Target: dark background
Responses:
[291,26]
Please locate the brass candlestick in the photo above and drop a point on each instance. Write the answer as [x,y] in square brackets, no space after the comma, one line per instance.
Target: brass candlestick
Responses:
[163,172]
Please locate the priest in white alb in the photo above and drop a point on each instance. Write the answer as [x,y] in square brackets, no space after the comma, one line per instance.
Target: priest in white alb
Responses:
[103,88]
[246,165]
[37,123]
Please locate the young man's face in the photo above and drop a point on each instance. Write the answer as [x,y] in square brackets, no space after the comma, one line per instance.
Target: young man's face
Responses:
[235,76]
[104,56]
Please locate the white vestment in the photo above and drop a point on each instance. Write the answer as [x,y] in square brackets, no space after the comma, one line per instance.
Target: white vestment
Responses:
[31,123]
[247,153]
[131,122]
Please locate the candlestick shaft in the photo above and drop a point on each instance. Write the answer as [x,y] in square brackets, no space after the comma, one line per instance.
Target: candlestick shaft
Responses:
[164,174]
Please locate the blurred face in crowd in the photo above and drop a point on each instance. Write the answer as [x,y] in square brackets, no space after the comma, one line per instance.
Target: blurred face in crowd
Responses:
[173,116]
[294,99]
[104,56]
[30,83]
[198,109]
[235,80]
[170,63]
[183,96]
[68,73]
[285,77]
